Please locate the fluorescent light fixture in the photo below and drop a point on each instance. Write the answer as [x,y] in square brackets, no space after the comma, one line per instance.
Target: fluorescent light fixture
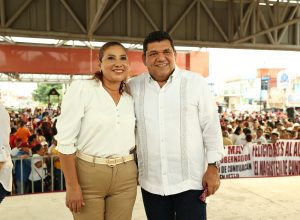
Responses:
[34,40]
[75,43]
[133,46]
[95,43]
[183,48]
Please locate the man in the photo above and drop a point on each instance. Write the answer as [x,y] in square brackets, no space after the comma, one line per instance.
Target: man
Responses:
[260,139]
[178,133]
[274,136]
[5,159]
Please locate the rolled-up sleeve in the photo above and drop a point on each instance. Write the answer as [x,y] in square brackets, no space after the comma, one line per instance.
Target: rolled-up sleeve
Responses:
[69,122]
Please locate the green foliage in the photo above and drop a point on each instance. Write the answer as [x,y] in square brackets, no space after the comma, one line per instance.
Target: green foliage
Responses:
[41,93]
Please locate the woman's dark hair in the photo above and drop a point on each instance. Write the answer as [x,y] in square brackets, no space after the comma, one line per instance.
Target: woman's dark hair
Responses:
[157,36]
[98,76]
[237,130]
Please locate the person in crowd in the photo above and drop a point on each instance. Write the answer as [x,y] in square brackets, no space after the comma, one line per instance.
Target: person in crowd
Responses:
[178,133]
[230,132]
[298,135]
[226,140]
[95,134]
[248,146]
[274,137]
[22,166]
[260,139]
[12,137]
[59,181]
[32,141]
[46,128]
[38,169]
[23,132]
[39,135]
[6,164]
[237,132]
[268,137]
[241,140]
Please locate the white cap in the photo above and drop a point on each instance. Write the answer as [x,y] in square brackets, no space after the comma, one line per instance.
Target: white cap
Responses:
[275,132]
[296,125]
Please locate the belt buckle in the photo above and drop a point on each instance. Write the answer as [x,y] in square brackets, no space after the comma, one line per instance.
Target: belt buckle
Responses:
[111,162]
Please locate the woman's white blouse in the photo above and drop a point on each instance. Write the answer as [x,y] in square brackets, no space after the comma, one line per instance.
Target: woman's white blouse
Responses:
[92,123]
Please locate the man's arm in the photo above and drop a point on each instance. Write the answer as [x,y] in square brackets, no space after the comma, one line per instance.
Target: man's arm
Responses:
[211,179]
[212,137]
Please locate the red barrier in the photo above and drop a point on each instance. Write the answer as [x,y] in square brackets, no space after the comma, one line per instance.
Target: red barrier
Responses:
[52,60]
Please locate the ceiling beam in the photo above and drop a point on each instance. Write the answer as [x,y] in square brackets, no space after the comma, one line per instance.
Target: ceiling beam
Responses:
[211,16]
[18,13]
[100,8]
[172,29]
[268,30]
[105,16]
[73,15]
[147,16]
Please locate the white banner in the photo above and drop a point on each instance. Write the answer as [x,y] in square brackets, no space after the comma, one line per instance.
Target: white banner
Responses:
[266,160]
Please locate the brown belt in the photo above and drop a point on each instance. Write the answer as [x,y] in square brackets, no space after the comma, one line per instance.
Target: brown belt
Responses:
[111,162]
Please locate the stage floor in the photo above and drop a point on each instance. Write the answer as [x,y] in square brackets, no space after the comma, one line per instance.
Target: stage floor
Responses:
[240,199]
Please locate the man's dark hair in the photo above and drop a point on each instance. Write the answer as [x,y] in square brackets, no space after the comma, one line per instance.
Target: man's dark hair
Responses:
[248,137]
[36,148]
[157,36]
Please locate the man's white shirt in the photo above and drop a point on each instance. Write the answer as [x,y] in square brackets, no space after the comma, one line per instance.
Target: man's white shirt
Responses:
[178,131]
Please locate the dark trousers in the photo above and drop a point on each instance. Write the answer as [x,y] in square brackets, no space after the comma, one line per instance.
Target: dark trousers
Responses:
[3,193]
[38,186]
[181,206]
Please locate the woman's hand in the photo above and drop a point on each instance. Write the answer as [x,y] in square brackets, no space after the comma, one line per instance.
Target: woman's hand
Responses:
[74,199]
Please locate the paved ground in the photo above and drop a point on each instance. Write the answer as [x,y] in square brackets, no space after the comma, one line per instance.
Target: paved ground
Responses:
[237,199]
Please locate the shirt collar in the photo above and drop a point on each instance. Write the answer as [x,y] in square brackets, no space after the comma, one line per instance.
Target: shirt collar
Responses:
[174,75]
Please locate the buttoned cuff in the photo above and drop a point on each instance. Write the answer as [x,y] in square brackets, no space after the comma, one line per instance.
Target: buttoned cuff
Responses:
[213,156]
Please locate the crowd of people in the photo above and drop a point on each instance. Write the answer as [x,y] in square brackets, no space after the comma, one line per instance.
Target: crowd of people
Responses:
[34,147]
[258,127]
[36,162]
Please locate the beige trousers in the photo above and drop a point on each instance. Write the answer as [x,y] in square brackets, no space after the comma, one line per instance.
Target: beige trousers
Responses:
[109,192]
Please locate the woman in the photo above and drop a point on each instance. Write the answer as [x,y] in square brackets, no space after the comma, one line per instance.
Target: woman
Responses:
[95,136]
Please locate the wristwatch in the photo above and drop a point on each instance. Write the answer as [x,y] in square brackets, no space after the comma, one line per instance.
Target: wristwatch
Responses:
[216,164]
